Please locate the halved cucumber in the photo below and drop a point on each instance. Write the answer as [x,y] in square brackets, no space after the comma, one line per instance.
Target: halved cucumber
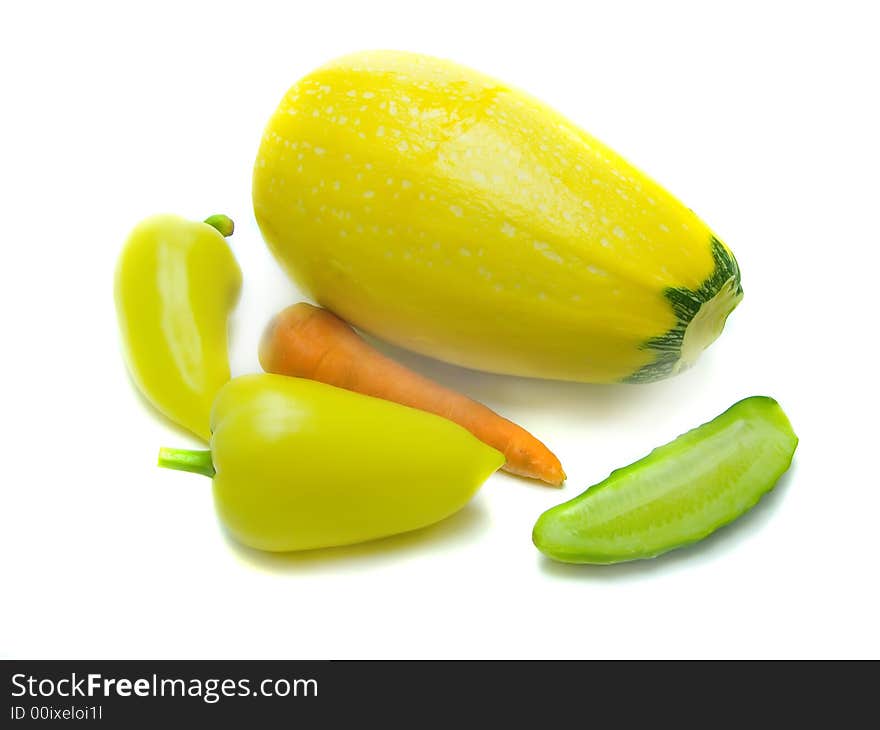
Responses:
[677,494]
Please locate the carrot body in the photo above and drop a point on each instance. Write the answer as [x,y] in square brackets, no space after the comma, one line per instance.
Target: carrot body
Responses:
[309,342]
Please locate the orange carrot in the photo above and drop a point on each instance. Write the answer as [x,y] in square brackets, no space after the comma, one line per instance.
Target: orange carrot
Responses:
[309,342]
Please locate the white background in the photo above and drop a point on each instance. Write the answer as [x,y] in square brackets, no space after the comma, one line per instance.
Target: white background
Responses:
[762,117]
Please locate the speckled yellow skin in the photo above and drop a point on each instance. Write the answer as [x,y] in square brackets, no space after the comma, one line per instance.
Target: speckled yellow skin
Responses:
[447,213]
[176,283]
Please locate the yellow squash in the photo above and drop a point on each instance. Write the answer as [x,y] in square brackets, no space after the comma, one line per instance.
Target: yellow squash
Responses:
[448,213]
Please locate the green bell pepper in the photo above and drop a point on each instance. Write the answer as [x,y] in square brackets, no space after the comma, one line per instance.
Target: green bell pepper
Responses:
[298,464]
[176,282]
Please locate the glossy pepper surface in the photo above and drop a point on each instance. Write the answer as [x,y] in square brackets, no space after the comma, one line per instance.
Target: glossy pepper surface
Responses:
[298,464]
[176,283]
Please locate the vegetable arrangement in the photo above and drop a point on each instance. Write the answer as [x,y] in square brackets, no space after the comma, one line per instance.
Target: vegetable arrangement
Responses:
[309,342]
[443,211]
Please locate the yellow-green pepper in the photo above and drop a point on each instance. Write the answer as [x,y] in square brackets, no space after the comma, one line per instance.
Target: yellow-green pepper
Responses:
[298,464]
[176,282]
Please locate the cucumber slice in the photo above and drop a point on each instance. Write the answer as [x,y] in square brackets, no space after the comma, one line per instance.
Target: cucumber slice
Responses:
[676,495]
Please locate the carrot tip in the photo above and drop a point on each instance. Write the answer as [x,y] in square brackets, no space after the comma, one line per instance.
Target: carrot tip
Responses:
[552,478]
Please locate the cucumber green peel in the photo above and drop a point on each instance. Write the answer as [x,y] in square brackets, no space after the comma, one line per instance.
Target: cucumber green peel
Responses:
[676,495]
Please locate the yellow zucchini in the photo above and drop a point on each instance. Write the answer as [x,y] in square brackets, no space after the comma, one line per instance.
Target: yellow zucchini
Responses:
[448,213]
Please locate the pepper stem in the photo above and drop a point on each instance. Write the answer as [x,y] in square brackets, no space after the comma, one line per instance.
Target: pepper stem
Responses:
[222,223]
[198,462]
